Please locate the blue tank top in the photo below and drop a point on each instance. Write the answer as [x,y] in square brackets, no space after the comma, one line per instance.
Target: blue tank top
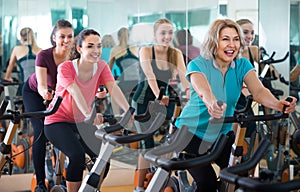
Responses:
[129,67]
[27,64]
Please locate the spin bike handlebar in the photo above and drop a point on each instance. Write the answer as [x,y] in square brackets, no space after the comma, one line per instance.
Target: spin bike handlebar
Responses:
[233,174]
[112,120]
[240,117]
[255,185]
[104,134]
[178,144]
[4,82]
[272,61]
[125,119]
[35,114]
[147,114]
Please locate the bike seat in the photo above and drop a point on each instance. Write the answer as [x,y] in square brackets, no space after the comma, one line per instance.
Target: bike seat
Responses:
[156,155]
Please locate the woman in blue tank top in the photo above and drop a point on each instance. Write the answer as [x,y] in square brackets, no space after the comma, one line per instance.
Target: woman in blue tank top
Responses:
[219,74]
[23,56]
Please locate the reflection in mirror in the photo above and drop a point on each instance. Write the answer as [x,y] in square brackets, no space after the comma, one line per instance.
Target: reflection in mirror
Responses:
[40,17]
[9,21]
[282,39]
[1,45]
[294,75]
[190,14]
[294,47]
[74,10]
[268,38]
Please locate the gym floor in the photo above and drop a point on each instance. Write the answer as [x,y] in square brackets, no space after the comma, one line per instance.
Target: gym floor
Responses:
[119,179]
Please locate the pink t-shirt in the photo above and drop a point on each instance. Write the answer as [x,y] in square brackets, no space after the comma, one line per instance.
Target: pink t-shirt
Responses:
[68,110]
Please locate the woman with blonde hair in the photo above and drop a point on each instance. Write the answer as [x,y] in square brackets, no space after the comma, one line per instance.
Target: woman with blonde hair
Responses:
[108,43]
[23,56]
[124,58]
[122,48]
[160,63]
[219,74]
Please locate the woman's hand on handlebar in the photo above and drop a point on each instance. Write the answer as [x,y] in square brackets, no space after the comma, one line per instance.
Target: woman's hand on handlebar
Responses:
[101,94]
[217,109]
[164,100]
[98,119]
[9,79]
[46,94]
[290,105]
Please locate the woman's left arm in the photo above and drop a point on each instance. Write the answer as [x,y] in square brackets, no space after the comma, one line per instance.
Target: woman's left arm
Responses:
[263,95]
[79,99]
[181,69]
[294,74]
[117,95]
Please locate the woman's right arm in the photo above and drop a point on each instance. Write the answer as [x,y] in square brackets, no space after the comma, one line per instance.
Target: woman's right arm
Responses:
[41,76]
[11,65]
[112,58]
[204,91]
[145,61]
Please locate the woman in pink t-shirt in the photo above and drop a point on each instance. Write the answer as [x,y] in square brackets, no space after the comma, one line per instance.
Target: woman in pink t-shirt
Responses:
[77,82]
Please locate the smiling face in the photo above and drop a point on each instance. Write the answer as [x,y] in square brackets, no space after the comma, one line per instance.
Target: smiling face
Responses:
[228,46]
[164,34]
[248,33]
[91,49]
[64,38]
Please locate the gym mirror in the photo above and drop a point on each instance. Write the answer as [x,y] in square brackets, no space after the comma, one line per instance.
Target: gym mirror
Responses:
[40,16]
[102,15]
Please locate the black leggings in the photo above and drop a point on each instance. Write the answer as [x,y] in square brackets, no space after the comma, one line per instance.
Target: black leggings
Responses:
[205,177]
[34,102]
[65,137]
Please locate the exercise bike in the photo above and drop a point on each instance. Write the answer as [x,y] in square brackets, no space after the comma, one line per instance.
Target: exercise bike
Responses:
[15,117]
[237,149]
[163,179]
[235,175]
[111,138]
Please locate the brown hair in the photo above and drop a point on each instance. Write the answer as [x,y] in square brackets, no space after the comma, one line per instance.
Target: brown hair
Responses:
[184,37]
[74,54]
[58,25]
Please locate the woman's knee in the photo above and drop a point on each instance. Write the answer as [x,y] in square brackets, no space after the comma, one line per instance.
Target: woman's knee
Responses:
[77,156]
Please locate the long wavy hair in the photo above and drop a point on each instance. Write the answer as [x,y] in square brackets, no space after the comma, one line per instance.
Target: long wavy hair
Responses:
[210,42]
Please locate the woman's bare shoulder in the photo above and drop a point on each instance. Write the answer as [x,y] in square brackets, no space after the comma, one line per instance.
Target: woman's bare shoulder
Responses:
[254,48]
